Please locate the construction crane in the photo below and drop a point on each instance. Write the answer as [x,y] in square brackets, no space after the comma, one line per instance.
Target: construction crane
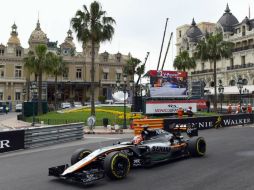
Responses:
[158,65]
[171,35]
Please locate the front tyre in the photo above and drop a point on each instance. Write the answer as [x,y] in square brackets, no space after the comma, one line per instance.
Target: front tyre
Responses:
[197,146]
[79,154]
[116,165]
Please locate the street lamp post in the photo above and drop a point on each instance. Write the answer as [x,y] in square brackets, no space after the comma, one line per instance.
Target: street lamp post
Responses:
[124,88]
[240,87]
[246,91]
[221,90]
[33,89]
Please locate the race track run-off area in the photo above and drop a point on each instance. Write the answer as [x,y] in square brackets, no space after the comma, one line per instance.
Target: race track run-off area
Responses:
[228,164]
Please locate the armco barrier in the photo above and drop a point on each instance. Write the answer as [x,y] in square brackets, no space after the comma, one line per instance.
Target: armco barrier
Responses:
[40,136]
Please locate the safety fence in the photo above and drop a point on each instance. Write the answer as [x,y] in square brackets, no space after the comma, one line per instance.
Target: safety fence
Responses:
[99,122]
[199,122]
[40,136]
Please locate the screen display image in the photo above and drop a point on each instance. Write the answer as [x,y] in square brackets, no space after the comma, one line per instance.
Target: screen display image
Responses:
[168,83]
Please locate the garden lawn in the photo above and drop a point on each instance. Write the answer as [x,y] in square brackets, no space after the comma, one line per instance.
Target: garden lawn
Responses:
[53,118]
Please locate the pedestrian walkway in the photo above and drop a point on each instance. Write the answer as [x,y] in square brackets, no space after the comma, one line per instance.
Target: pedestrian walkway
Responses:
[103,130]
[9,121]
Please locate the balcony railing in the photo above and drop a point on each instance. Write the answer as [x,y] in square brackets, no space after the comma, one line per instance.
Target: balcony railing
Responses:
[12,79]
[243,48]
[204,71]
[248,65]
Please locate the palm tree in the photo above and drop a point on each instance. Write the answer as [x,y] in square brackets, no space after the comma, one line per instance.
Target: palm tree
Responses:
[29,63]
[212,48]
[183,61]
[57,67]
[40,68]
[131,67]
[93,26]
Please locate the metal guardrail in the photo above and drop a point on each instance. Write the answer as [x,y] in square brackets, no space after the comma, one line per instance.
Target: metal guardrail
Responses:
[43,136]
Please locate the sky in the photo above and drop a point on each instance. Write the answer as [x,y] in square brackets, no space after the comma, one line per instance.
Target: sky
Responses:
[139,23]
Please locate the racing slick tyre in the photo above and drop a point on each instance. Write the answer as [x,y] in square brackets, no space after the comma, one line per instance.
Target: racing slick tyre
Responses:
[197,146]
[116,165]
[79,154]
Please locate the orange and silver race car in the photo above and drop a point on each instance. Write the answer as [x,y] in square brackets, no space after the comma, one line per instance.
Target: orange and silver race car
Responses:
[147,149]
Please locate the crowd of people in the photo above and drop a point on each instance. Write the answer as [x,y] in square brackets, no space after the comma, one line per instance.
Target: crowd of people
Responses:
[239,109]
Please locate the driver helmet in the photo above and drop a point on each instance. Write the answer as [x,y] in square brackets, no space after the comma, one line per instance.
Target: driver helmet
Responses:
[137,139]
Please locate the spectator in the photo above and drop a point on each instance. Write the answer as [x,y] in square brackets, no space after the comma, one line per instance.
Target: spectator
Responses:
[180,112]
[208,106]
[244,108]
[238,109]
[249,108]
[229,110]
[189,112]
[6,109]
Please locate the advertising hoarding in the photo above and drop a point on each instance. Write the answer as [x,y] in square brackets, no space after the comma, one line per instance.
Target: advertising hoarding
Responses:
[11,140]
[164,107]
[168,83]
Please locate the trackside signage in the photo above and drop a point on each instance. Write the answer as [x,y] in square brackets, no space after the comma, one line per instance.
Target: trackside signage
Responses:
[212,122]
[11,140]
[164,107]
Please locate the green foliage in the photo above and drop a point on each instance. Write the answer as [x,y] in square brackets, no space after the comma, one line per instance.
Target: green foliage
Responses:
[102,99]
[183,62]
[212,48]
[93,26]
[131,67]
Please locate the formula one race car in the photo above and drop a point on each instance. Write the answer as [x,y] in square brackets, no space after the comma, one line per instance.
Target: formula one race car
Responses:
[147,149]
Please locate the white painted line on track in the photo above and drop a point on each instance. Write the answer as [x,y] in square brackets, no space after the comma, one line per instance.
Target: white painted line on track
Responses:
[108,138]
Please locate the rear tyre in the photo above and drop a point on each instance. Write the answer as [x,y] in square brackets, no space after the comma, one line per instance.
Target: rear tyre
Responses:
[117,165]
[197,146]
[79,154]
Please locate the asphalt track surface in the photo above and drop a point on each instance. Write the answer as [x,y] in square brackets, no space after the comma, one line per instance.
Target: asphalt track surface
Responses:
[229,164]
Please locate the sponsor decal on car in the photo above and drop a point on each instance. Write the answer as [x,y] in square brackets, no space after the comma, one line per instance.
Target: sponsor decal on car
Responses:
[160,149]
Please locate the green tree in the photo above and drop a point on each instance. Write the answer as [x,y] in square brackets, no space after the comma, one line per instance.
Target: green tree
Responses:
[212,48]
[183,61]
[130,68]
[40,68]
[29,63]
[56,67]
[93,26]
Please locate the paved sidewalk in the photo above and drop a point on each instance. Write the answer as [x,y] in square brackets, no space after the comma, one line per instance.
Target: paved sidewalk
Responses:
[9,121]
[102,130]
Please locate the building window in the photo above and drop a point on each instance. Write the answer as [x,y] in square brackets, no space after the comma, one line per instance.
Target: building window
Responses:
[232,83]
[118,76]
[242,60]
[245,81]
[17,96]
[18,52]
[232,62]
[211,65]
[180,34]
[243,31]
[202,66]
[105,76]
[65,75]
[1,95]
[78,73]
[18,71]
[1,71]
[1,51]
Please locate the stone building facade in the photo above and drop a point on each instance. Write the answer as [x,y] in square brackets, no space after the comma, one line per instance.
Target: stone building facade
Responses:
[74,85]
[228,70]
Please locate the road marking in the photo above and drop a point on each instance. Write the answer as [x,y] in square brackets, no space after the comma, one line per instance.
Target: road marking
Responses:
[108,138]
